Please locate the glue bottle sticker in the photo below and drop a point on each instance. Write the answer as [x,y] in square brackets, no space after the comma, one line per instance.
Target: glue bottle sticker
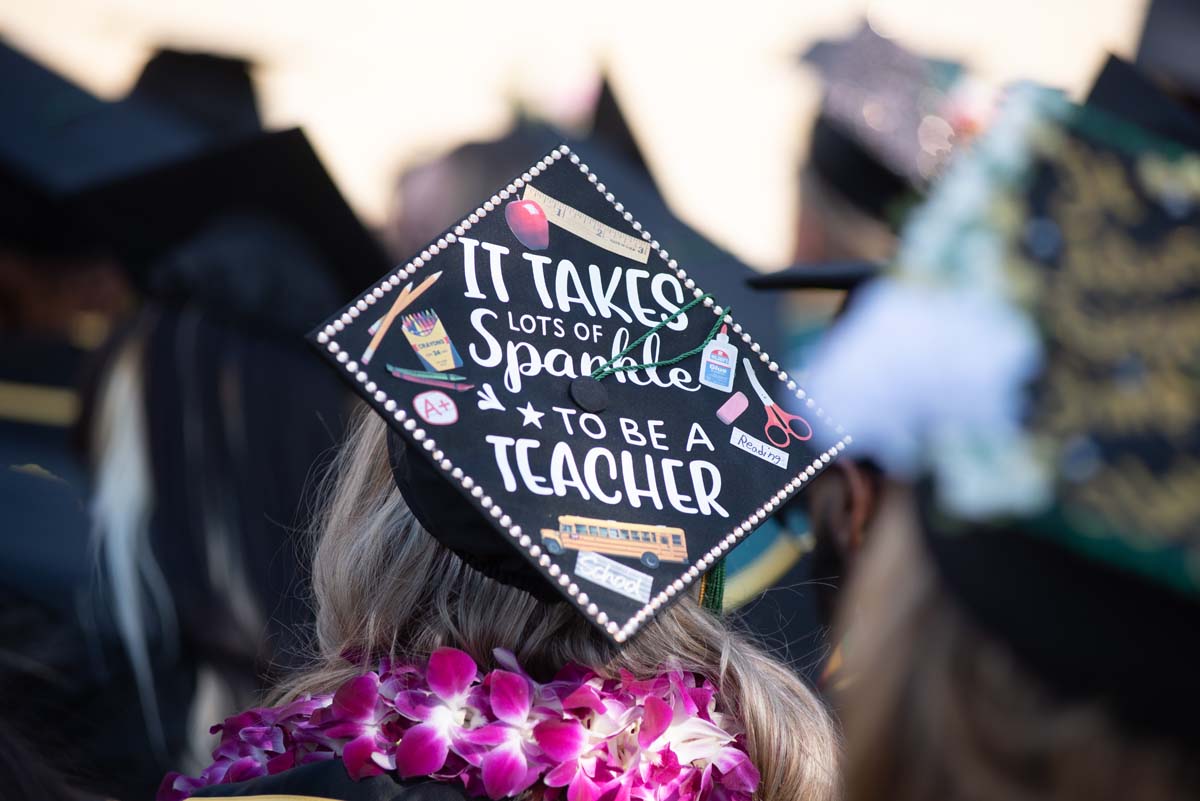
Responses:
[718,364]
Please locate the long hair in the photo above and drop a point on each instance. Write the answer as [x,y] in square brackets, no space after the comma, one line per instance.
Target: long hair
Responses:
[939,711]
[384,586]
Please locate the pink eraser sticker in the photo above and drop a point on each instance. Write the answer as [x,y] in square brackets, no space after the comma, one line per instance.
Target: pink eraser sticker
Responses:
[732,409]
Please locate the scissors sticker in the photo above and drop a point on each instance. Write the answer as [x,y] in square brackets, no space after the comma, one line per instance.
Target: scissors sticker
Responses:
[782,427]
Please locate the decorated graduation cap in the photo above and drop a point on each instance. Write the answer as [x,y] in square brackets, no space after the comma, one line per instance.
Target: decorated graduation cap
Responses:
[1045,396]
[570,413]
[888,121]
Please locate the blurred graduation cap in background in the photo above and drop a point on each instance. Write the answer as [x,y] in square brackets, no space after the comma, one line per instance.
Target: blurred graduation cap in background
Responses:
[1168,46]
[888,121]
[60,141]
[140,174]
[837,275]
[1049,311]
[1161,89]
[610,127]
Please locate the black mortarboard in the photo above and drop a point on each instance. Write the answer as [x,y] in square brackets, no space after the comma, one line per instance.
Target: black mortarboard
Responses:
[213,92]
[1045,392]
[143,173]
[838,275]
[615,492]
[1124,91]
[610,127]
[275,173]
[1168,44]
[60,142]
[882,131]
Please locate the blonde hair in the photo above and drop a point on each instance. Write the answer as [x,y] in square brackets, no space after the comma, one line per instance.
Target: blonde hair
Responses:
[383,586]
[940,711]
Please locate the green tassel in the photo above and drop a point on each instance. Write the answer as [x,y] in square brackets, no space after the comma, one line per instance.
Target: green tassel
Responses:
[712,588]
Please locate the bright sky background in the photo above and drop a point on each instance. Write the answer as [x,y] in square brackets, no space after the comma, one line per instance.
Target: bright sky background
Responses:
[716,97]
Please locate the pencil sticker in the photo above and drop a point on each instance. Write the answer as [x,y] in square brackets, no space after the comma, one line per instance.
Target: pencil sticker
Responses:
[403,301]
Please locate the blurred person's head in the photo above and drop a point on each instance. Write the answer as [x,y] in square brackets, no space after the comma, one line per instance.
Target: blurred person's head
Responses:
[841,502]
[943,709]
[199,467]
[1025,625]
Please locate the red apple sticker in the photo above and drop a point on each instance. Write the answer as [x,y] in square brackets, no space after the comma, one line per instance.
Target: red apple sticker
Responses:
[528,223]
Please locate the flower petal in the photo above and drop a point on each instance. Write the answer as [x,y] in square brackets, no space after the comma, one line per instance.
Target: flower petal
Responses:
[655,720]
[696,739]
[585,697]
[505,772]
[491,734]
[582,788]
[562,775]
[356,699]
[245,768]
[560,740]
[737,771]
[450,672]
[357,755]
[509,696]
[421,751]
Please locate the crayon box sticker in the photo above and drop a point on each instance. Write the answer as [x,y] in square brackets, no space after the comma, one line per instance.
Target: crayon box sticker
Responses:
[428,337]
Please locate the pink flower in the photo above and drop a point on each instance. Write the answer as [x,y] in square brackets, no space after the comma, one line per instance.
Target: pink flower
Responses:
[578,736]
[440,712]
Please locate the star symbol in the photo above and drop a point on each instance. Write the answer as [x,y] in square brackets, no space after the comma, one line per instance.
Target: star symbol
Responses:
[530,415]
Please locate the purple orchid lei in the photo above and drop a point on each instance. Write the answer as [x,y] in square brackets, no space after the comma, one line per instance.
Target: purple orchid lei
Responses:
[499,735]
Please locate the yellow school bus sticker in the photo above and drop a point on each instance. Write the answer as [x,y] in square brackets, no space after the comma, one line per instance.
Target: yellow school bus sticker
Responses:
[650,544]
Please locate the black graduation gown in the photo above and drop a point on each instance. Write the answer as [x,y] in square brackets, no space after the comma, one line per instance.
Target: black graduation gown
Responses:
[329,780]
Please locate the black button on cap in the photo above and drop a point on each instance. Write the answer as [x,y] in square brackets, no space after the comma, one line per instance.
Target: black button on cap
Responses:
[589,394]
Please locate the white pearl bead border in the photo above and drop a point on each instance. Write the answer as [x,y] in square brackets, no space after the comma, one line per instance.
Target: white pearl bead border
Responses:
[619,633]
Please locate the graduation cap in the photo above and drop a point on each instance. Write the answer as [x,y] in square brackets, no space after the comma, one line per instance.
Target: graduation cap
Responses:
[275,173]
[570,413]
[610,127]
[183,148]
[886,123]
[62,142]
[1125,91]
[837,275]
[1044,394]
[1168,44]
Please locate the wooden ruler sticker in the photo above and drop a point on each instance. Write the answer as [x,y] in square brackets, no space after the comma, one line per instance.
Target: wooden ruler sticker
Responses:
[589,228]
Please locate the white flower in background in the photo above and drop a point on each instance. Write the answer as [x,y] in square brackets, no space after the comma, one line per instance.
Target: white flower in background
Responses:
[932,379]
[929,370]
